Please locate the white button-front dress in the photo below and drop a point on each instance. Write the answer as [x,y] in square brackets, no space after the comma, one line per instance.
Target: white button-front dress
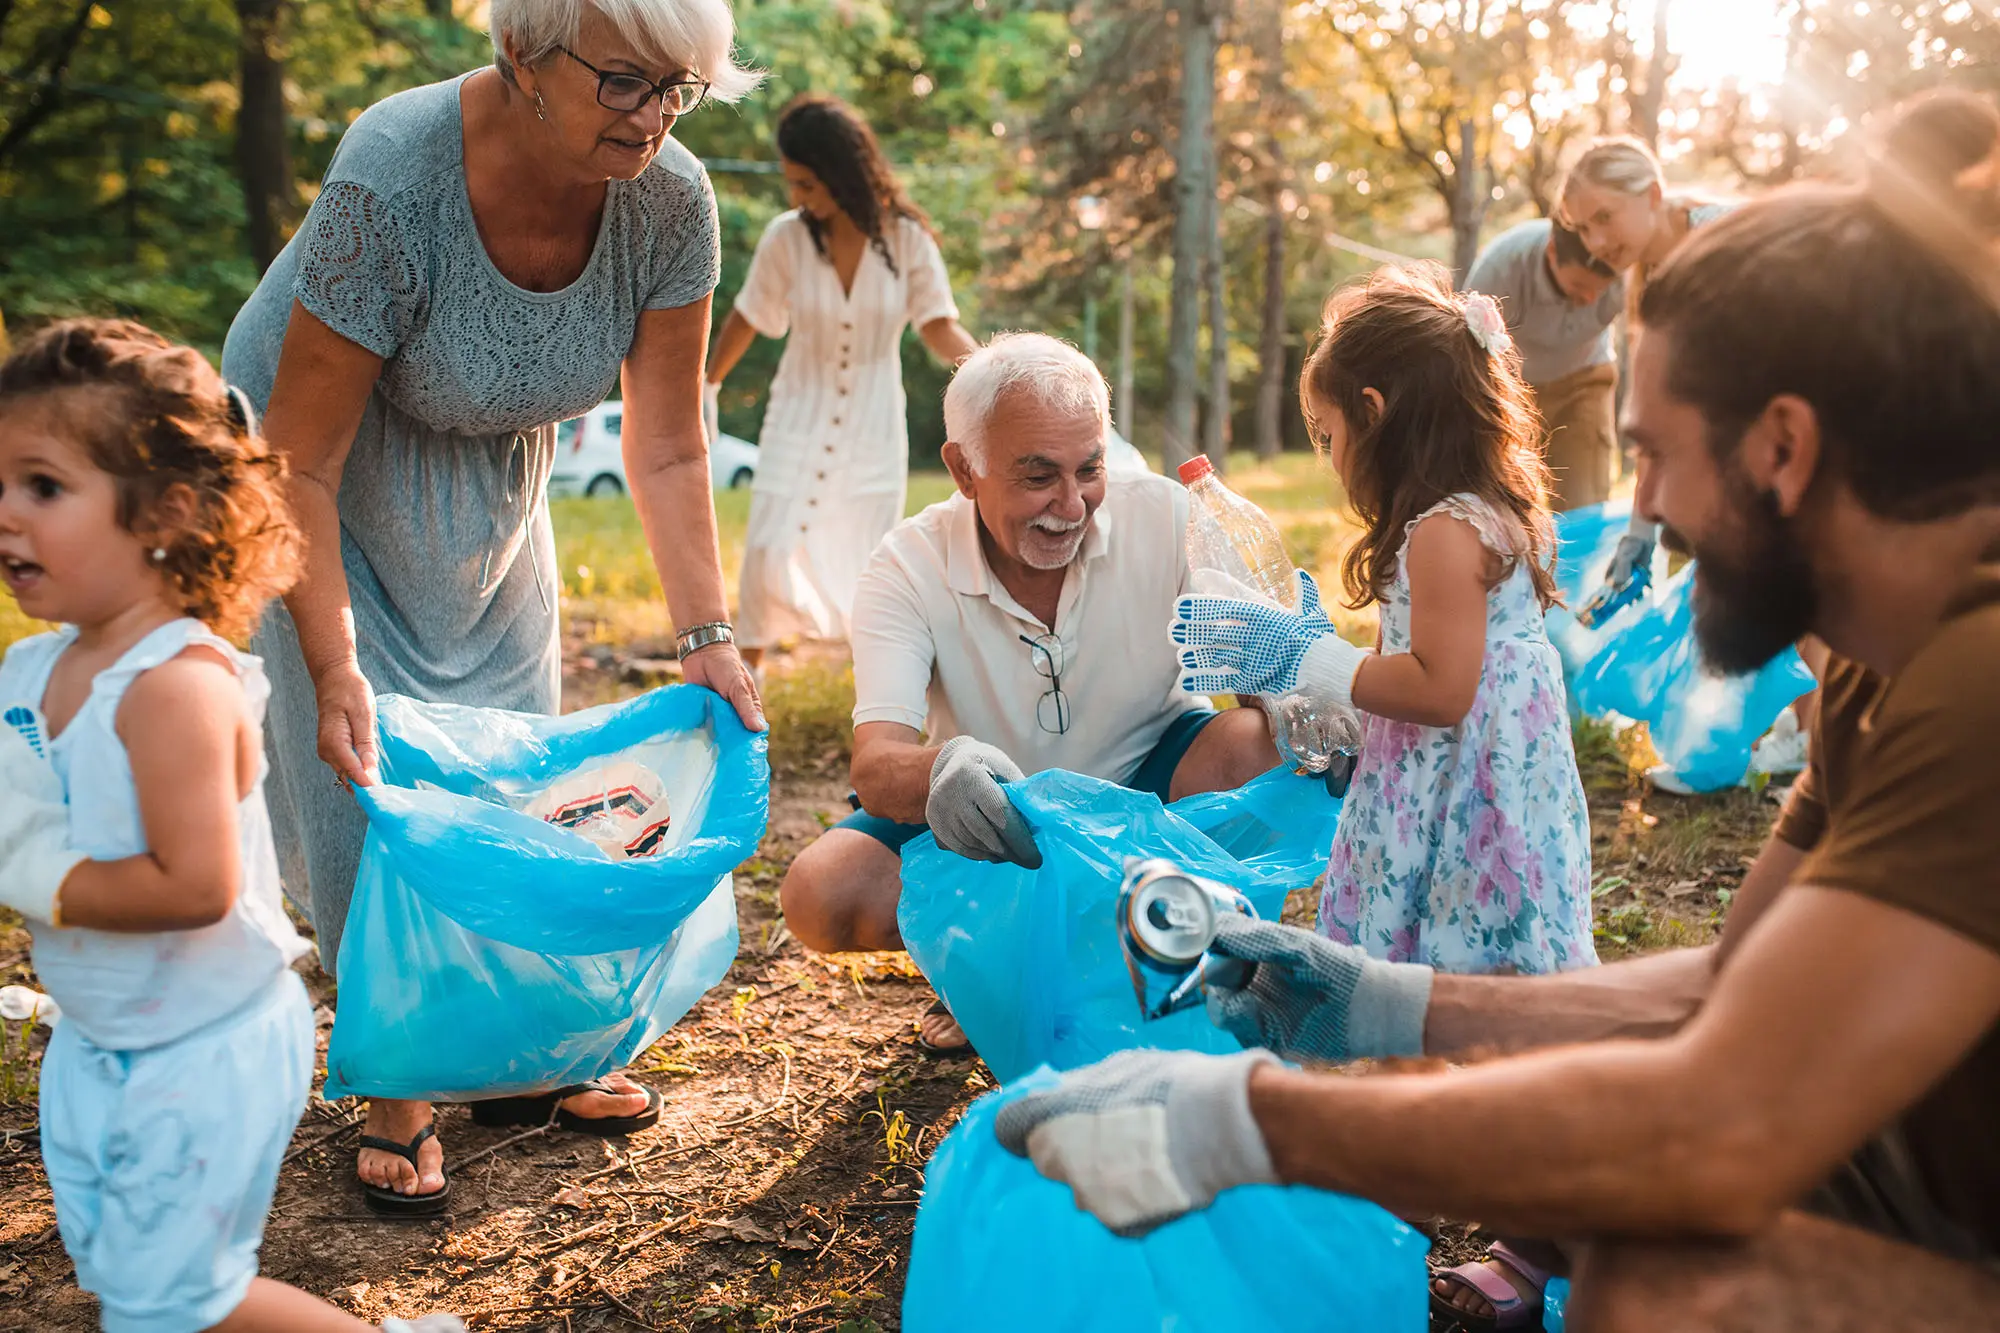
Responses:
[834,456]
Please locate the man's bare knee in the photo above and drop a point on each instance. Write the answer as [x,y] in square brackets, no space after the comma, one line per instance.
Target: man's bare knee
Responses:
[1228,752]
[840,893]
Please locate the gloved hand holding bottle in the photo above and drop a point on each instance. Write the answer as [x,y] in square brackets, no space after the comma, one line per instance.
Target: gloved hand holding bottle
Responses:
[1234,645]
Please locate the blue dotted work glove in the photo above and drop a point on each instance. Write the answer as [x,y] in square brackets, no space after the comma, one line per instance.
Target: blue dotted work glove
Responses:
[1233,645]
[1144,1136]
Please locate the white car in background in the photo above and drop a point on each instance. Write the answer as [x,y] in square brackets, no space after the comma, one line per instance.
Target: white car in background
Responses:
[589,460]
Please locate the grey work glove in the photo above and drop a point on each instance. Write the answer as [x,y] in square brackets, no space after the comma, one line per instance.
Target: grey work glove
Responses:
[1144,1136]
[1309,998]
[967,810]
[430,1323]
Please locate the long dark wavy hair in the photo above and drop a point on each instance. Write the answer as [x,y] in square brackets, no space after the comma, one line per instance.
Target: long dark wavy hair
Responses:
[829,138]
[1455,418]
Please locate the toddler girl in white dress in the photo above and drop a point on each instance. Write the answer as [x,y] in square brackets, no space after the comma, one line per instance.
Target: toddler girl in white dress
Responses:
[139,509]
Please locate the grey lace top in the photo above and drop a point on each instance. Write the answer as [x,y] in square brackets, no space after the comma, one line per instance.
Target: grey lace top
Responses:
[444,523]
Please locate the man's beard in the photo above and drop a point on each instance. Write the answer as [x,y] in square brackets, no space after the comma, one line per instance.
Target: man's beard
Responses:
[1754,593]
[1070,535]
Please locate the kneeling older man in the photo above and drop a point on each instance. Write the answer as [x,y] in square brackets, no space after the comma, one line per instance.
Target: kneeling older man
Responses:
[1012,628]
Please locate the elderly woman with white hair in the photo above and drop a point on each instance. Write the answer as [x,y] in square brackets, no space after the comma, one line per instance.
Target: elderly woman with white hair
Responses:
[487,256]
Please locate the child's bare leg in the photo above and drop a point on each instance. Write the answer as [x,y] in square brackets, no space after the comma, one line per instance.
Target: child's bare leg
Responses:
[273,1307]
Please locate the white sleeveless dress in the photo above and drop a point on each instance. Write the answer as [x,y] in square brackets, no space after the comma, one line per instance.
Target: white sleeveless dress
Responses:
[171,1087]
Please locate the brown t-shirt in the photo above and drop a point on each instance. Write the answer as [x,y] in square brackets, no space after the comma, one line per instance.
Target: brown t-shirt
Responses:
[1901,803]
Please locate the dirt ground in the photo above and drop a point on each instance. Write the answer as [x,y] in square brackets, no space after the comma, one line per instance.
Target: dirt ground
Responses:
[779,1190]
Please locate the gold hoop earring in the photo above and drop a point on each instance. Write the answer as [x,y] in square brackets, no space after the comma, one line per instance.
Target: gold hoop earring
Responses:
[541,108]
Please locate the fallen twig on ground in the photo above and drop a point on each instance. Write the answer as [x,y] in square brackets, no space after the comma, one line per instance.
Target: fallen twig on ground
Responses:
[485,1153]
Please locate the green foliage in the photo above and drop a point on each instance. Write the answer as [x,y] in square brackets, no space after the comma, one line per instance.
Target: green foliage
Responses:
[119,190]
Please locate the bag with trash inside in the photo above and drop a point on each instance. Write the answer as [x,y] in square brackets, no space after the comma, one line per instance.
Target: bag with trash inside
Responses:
[1029,960]
[1000,1248]
[540,898]
[1642,663]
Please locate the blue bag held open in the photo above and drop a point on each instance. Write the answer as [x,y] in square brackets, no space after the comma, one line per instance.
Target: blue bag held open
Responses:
[1000,1248]
[1029,961]
[540,898]
[1644,664]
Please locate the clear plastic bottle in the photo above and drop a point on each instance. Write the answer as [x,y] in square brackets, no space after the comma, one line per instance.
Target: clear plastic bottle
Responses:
[1235,550]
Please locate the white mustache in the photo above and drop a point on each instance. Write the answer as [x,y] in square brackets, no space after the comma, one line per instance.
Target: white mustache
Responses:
[1055,527]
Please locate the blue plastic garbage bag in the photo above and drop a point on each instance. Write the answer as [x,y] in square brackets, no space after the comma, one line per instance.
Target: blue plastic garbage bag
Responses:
[1029,960]
[489,951]
[1000,1248]
[1644,664]
[1586,539]
[1555,1304]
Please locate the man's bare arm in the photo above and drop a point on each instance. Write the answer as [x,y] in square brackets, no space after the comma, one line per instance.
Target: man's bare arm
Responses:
[891,770]
[1835,1015]
[1637,997]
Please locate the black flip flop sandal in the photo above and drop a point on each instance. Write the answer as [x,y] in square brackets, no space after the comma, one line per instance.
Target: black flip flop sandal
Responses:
[501,1112]
[388,1202]
[956,1052]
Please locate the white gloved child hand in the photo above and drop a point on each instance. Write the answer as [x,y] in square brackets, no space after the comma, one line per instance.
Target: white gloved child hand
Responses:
[35,857]
[1229,645]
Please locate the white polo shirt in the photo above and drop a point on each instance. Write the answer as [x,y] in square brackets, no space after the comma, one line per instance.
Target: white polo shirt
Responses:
[937,638]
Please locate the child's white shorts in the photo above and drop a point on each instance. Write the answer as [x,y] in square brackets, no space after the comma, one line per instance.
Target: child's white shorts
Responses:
[163,1161]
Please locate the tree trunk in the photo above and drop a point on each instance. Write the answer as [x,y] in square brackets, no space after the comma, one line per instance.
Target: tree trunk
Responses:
[1468,202]
[1646,103]
[1271,337]
[1215,435]
[1271,343]
[263,150]
[1194,188]
[1123,402]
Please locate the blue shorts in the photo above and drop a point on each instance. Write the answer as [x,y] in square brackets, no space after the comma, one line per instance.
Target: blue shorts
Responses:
[163,1161]
[1155,774]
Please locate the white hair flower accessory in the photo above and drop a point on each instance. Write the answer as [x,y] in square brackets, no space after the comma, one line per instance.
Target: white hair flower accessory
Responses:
[1482,316]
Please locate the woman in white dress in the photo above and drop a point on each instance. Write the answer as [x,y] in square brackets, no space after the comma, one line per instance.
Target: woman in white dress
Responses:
[843,274]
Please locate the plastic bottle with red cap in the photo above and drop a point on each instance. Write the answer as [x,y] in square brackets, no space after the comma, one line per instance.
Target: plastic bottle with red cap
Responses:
[1235,550]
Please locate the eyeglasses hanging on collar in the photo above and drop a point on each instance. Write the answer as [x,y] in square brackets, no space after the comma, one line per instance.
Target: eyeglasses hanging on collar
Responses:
[1052,709]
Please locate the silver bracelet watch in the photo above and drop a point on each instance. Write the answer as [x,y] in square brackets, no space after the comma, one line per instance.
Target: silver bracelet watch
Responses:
[694,639]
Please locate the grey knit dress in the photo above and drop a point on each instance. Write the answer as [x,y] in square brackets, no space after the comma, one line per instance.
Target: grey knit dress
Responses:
[444,522]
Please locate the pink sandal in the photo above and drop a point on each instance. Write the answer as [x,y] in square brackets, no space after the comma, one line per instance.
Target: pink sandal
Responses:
[1510,1310]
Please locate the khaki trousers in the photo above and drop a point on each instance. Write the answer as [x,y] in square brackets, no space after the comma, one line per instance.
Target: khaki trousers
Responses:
[1579,415]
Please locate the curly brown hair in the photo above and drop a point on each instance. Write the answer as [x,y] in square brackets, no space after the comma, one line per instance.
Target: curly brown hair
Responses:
[163,424]
[1455,418]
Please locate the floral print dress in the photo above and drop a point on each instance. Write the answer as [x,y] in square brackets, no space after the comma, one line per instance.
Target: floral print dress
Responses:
[1468,847]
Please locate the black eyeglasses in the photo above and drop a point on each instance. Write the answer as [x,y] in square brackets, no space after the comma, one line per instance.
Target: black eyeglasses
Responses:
[1052,709]
[629,92]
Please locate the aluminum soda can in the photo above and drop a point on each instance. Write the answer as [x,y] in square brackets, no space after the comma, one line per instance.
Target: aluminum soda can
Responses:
[1167,920]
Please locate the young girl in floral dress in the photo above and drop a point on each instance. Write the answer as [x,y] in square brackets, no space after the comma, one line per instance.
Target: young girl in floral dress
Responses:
[1465,841]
